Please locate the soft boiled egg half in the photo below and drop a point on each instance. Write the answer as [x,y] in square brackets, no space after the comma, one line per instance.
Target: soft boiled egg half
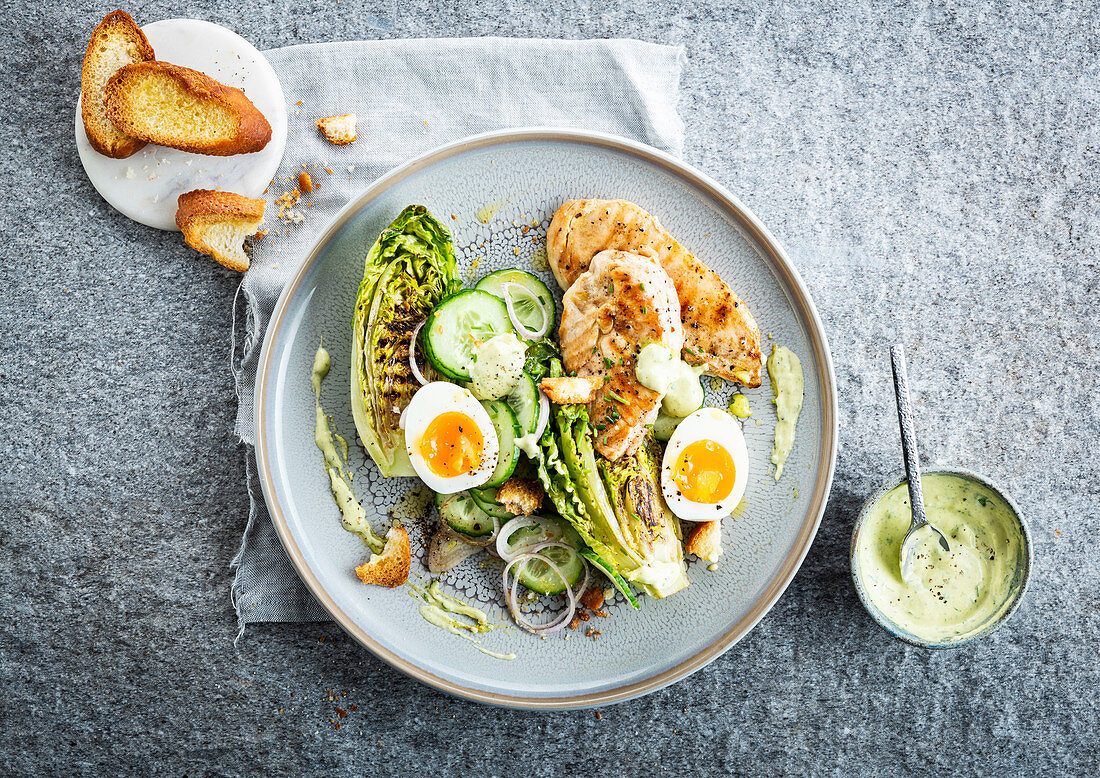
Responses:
[706,466]
[449,437]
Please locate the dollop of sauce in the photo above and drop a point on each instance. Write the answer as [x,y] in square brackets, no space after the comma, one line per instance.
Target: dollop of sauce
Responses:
[440,610]
[785,375]
[660,370]
[498,366]
[353,517]
[949,595]
[739,406]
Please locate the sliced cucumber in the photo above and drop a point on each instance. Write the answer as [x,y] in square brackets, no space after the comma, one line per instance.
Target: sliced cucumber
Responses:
[461,513]
[616,580]
[533,303]
[536,574]
[504,421]
[664,426]
[486,499]
[457,326]
[524,402]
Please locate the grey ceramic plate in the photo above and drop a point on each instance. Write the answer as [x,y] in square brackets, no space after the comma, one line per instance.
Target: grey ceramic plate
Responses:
[527,175]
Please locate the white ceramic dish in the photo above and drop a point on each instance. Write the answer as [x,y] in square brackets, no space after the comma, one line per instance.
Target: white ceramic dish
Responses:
[528,174]
[145,186]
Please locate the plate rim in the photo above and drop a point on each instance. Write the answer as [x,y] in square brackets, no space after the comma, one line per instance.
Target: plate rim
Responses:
[802,303]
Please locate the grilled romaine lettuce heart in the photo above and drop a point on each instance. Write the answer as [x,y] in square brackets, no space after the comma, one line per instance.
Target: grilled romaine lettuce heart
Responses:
[409,269]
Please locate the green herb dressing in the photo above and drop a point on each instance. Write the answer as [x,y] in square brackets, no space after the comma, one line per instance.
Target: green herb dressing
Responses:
[785,374]
[660,370]
[949,595]
[437,611]
[486,212]
[352,515]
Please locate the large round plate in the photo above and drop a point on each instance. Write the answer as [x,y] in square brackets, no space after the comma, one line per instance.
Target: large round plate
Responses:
[527,175]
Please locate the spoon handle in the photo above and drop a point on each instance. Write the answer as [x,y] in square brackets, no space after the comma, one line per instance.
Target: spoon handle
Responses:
[908,434]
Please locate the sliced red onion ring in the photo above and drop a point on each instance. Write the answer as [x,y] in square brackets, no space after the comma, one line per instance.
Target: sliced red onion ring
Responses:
[511,593]
[505,551]
[412,356]
[544,415]
[523,330]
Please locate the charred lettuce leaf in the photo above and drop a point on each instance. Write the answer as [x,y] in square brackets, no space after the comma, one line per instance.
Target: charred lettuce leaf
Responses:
[409,269]
[616,507]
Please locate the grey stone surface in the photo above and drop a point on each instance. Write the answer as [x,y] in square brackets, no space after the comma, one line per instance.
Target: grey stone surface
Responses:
[932,169]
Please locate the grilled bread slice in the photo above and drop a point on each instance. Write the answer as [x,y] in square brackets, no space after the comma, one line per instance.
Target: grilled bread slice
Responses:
[184,109]
[115,43]
[216,223]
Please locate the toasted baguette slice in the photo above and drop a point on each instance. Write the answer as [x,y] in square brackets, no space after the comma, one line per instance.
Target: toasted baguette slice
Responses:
[391,567]
[705,540]
[115,42]
[338,130]
[216,223]
[184,109]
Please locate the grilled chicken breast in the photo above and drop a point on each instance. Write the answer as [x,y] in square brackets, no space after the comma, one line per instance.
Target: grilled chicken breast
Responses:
[620,303]
[719,331]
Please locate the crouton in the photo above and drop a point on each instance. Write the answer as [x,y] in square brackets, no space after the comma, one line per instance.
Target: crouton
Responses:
[338,130]
[391,567]
[568,390]
[705,540]
[521,496]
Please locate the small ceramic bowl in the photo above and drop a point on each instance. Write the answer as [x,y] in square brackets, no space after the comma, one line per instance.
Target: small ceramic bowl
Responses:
[1023,565]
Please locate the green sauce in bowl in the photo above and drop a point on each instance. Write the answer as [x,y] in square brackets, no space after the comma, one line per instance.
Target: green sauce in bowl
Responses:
[950,596]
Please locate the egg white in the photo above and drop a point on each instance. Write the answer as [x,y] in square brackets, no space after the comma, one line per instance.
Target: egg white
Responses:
[433,400]
[705,424]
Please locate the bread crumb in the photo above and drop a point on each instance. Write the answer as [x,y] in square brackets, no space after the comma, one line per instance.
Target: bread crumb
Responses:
[351,168]
[130,172]
[305,183]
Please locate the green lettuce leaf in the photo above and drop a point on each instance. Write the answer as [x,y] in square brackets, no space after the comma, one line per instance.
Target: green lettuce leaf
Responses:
[626,525]
[409,269]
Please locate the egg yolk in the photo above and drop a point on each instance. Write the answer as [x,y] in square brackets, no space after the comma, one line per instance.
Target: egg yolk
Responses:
[705,472]
[451,445]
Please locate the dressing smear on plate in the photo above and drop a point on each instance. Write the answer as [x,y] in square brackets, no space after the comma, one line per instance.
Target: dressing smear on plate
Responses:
[440,610]
[785,374]
[352,515]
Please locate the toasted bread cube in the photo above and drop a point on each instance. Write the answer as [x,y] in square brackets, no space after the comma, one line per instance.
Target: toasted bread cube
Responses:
[569,390]
[339,130]
[705,540]
[521,496]
[391,567]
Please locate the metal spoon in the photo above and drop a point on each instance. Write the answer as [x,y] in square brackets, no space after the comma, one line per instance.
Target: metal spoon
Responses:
[912,463]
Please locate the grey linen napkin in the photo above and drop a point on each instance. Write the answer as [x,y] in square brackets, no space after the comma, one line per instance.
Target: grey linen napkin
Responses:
[412,96]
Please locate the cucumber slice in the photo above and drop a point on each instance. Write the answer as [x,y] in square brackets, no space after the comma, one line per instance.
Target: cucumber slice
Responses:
[616,580]
[524,402]
[457,326]
[462,514]
[504,421]
[664,426]
[537,575]
[486,499]
[534,305]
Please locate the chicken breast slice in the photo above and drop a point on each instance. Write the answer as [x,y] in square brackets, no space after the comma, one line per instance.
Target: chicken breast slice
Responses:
[719,331]
[618,305]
